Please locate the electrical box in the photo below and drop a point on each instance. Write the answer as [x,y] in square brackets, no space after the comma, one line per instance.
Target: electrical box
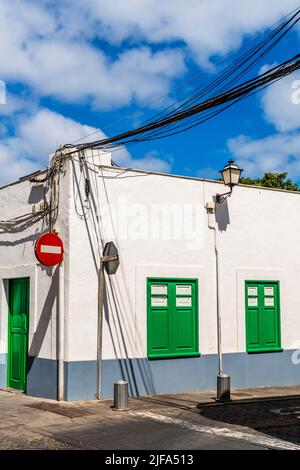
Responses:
[210,206]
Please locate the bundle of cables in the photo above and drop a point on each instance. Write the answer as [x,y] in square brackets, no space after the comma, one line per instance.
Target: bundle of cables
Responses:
[205,102]
[215,97]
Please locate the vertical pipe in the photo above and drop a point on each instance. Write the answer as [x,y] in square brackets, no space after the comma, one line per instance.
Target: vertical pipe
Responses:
[219,336]
[223,380]
[219,328]
[60,334]
[100,327]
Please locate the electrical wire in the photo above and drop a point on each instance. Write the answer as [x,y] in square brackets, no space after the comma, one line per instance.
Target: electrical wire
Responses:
[202,104]
[221,93]
[169,125]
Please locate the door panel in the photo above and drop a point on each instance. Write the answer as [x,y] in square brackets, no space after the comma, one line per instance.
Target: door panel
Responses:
[18,332]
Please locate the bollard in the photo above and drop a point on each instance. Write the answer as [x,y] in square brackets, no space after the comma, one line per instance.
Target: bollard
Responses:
[121,396]
[223,387]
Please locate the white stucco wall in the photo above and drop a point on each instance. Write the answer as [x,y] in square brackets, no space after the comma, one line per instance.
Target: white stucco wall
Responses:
[17,259]
[258,239]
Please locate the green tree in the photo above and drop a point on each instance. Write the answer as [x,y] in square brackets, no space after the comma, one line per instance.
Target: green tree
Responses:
[272,180]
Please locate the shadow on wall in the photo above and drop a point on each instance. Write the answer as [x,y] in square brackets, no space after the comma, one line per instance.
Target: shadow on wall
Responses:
[44,320]
[222,215]
[137,373]
[37,194]
[21,241]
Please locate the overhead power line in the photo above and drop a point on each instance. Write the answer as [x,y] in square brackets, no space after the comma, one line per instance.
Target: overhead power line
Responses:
[169,125]
[206,102]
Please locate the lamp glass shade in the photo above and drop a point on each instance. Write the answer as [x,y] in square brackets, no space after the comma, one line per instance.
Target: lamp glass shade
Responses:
[231,174]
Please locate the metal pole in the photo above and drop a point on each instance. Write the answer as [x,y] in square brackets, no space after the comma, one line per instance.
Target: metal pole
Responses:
[60,334]
[219,330]
[223,380]
[101,286]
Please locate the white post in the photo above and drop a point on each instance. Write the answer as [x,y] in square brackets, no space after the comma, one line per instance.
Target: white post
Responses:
[101,287]
[223,380]
[60,334]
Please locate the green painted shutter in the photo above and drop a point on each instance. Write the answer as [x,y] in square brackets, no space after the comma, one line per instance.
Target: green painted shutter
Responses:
[172,327]
[262,316]
[18,332]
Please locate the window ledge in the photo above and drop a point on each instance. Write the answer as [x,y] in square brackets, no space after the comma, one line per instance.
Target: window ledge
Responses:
[262,350]
[173,356]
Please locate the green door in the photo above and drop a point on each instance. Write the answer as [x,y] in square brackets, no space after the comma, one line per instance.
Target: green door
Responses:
[172,326]
[262,316]
[18,316]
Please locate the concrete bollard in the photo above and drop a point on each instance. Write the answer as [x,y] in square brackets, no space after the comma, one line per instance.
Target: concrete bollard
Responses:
[121,396]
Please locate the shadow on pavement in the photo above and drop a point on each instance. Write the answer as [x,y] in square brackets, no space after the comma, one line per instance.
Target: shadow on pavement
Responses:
[278,418]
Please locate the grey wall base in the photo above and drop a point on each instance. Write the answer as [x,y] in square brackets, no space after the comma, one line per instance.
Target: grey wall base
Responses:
[41,378]
[149,377]
[80,380]
[191,374]
[3,370]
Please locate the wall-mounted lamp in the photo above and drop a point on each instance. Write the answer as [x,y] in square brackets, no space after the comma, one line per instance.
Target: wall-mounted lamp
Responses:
[231,174]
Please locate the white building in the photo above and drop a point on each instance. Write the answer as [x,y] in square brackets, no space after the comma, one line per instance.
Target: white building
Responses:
[160,320]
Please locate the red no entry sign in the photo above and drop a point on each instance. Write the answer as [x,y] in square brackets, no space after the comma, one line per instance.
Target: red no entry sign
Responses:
[49,249]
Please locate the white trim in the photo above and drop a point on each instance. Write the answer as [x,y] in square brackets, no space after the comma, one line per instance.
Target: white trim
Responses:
[51,249]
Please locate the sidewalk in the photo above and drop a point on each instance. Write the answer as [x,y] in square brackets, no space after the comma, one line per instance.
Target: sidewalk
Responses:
[194,400]
[180,421]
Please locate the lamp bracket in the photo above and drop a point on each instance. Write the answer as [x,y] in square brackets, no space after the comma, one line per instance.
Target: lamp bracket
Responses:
[221,197]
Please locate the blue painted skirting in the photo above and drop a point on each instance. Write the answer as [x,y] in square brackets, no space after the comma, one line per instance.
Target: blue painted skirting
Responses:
[3,370]
[148,377]
[41,378]
[80,380]
[191,374]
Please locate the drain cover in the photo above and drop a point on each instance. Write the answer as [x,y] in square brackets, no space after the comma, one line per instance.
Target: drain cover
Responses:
[68,411]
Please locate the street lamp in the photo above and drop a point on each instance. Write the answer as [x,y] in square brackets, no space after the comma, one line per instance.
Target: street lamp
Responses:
[231,174]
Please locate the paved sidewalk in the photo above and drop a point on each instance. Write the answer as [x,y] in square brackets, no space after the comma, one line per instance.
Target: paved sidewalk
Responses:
[196,399]
[181,421]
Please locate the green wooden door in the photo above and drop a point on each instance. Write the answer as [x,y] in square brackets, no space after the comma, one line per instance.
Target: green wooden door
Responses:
[18,332]
[262,316]
[172,327]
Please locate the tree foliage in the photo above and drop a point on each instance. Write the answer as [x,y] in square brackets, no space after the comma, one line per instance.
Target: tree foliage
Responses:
[272,180]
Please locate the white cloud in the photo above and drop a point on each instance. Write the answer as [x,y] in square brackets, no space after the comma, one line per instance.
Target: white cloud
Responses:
[276,153]
[39,134]
[39,51]
[151,161]
[50,46]
[54,48]
[207,27]
[279,105]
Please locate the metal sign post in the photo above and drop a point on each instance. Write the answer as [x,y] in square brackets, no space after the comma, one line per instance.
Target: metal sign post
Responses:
[60,334]
[109,261]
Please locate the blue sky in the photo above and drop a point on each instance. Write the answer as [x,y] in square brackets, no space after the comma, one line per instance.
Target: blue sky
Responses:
[78,67]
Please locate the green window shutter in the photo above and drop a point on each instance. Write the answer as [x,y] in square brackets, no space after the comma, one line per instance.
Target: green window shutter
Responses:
[172,312]
[262,316]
